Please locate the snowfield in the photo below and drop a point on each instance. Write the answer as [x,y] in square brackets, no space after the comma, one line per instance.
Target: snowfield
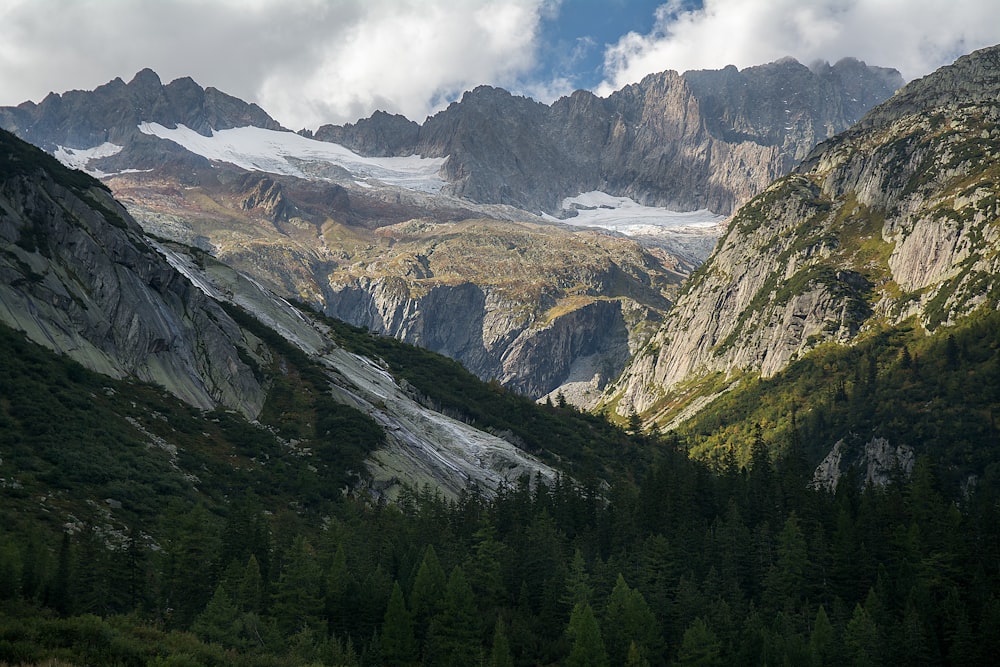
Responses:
[624,215]
[78,158]
[290,154]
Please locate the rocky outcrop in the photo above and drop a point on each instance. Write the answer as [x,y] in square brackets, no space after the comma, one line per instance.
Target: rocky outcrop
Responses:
[492,335]
[112,112]
[876,461]
[77,275]
[893,219]
[380,135]
[519,304]
[704,139]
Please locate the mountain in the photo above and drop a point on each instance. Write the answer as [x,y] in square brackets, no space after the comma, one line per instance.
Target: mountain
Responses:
[891,221]
[412,235]
[705,139]
[139,528]
[80,278]
[113,112]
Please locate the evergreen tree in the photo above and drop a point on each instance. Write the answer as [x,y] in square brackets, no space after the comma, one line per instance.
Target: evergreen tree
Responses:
[577,583]
[453,639]
[629,621]
[217,623]
[500,655]
[250,589]
[340,604]
[787,576]
[700,646]
[821,641]
[585,635]
[426,599]
[861,638]
[399,646]
[298,601]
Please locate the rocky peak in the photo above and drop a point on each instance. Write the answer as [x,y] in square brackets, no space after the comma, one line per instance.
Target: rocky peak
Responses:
[113,112]
[894,219]
[381,135]
[650,141]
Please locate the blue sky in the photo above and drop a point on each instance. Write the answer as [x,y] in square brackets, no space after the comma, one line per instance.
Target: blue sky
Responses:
[308,62]
[573,41]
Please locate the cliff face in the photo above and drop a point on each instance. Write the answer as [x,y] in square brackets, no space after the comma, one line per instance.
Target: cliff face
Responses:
[112,112]
[517,303]
[704,139]
[77,276]
[895,218]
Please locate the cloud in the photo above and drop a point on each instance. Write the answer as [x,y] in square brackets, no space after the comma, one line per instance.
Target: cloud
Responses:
[408,57]
[305,62]
[914,36]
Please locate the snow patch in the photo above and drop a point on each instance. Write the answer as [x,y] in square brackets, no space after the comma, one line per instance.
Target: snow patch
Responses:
[79,158]
[626,216]
[290,154]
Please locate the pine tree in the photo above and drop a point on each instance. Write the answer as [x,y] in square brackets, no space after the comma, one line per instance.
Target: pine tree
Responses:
[217,622]
[822,639]
[298,599]
[700,646]
[786,578]
[627,621]
[399,646]
[587,644]
[426,598]
[500,656]
[861,638]
[250,590]
[453,636]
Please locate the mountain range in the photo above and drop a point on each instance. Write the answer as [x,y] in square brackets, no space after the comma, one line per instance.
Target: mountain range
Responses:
[542,309]
[200,467]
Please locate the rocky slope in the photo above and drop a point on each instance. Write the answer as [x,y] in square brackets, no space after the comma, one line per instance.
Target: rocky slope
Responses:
[704,139]
[893,219]
[78,276]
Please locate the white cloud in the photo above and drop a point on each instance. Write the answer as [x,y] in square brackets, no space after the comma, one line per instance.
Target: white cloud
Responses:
[914,36]
[305,62]
[407,57]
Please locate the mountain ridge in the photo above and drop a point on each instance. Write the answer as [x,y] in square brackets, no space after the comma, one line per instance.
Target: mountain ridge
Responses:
[892,219]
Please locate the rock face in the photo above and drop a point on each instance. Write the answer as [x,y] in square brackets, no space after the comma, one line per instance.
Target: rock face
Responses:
[704,139]
[877,461]
[78,276]
[895,218]
[112,112]
[517,303]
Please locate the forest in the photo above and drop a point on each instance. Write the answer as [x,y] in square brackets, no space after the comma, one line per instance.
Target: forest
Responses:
[706,546]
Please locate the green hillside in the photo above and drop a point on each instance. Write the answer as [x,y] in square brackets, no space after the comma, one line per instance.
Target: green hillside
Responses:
[937,393]
[240,549]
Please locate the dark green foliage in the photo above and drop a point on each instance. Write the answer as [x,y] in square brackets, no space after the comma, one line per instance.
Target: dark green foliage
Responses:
[227,551]
[588,646]
[19,158]
[583,442]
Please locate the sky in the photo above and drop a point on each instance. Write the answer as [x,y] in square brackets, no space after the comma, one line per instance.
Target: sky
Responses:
[309,62]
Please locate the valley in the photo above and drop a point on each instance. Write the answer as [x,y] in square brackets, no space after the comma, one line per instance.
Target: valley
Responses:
[703,372]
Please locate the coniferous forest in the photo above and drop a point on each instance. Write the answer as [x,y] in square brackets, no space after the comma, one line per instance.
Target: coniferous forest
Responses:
[707,546]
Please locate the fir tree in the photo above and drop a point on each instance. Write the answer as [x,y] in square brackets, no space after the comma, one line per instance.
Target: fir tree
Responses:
[587,644]
[399,646]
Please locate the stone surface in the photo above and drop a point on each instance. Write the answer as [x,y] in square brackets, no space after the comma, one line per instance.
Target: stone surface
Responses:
[78,276]
[894,218]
